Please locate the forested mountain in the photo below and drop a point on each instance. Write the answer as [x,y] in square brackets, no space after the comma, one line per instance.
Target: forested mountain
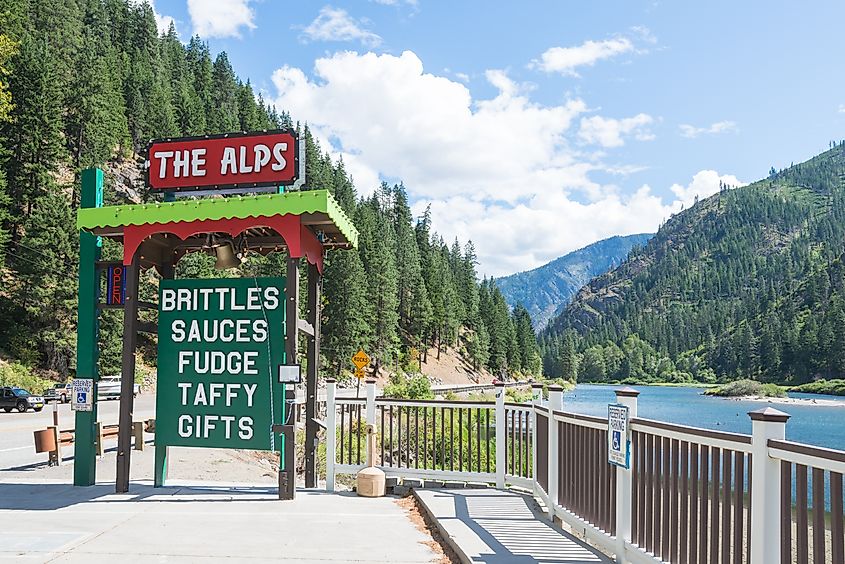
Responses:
[748,283]
[546,290]
[87,83]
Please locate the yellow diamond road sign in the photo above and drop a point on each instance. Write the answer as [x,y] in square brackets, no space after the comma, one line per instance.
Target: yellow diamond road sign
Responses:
[360,359]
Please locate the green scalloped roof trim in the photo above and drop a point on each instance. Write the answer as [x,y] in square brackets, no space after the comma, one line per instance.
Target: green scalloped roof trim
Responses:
[240,207]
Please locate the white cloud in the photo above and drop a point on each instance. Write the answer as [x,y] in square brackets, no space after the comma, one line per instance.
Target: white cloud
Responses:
[395,2]
[335,24]
[609,132]
[704,183]
[691,132]
[220,18]
[566,59]
[505,172]
[841,108]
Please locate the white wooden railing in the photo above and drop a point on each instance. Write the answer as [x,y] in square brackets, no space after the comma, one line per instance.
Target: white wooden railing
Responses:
[686,498]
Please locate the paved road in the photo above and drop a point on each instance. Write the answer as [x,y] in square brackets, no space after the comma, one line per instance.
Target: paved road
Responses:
[17,448]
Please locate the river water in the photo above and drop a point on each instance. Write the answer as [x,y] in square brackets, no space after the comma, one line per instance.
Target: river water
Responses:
[812,424]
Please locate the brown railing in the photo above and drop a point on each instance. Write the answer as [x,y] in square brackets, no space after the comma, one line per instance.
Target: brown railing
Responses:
[685,499]
[543,448]
[811,503]
[586,482]
[691,498]
[351,432]
[518,440]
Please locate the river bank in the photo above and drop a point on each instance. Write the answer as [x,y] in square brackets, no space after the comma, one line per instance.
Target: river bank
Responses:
[821,402]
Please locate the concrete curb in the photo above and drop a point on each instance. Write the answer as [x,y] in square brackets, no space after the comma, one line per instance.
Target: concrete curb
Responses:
[456,548]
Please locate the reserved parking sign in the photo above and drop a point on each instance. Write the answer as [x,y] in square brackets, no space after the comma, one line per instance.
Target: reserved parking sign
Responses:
[82,394]
[618,436]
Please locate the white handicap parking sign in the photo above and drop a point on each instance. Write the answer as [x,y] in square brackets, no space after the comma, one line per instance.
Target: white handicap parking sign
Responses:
[83,391]
[619,437]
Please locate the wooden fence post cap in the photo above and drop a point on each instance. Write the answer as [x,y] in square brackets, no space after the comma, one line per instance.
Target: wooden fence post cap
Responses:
[498,383]
[769,414]
[627,392]
[555,388]
[330,381]
[371,381]
[536,385]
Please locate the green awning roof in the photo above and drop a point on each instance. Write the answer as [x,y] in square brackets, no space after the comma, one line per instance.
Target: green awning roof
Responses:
[316,207]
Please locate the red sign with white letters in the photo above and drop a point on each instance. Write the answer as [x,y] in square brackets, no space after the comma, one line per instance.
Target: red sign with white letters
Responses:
[223,161]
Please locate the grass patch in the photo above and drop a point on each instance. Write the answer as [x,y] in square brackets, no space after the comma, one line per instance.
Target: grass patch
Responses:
[831,387]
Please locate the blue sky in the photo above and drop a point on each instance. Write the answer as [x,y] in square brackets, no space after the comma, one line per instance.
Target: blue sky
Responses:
[535,128]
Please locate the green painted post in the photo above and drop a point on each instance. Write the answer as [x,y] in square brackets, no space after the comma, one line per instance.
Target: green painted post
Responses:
[85,455]
[160,469]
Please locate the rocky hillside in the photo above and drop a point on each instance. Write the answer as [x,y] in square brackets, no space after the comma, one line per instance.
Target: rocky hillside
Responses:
[547,290]
[747,283]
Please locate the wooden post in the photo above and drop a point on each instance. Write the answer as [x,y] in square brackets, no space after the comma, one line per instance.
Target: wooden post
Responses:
[555,404]
[85,456]
[331,430]
[55,456]
[138,432]
[312,376]
[291,357]
[624,483]
[500,434]
[99,439]
[127,379]
[766,424]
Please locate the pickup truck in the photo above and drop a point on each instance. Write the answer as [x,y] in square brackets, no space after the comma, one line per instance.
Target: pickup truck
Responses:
[20,399]
[109,388]
[59,392]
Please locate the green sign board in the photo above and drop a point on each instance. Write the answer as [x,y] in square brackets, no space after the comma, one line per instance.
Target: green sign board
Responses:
[220,345]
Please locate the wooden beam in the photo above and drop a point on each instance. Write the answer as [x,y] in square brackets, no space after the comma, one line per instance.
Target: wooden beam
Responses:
[312,375]
[127,379]
[291,357]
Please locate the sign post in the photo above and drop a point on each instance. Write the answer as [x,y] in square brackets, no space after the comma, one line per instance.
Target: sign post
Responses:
[221,369]
[618,436]
[360,359]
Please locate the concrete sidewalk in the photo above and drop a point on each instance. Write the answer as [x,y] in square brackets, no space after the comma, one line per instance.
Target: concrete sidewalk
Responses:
[502,527]
[41,522]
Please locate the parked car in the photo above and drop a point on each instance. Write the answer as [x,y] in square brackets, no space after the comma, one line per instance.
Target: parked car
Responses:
[109,388]
[20,399]
[59,392]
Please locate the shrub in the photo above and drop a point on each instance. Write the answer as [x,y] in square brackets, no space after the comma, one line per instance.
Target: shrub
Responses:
[747,388]
[404,387]
[518,395]
[19,376]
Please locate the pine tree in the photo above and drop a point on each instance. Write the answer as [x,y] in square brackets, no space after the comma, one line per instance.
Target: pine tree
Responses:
[223,115]
[34,133]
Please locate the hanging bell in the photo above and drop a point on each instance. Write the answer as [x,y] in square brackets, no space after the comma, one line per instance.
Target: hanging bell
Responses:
[226,256]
